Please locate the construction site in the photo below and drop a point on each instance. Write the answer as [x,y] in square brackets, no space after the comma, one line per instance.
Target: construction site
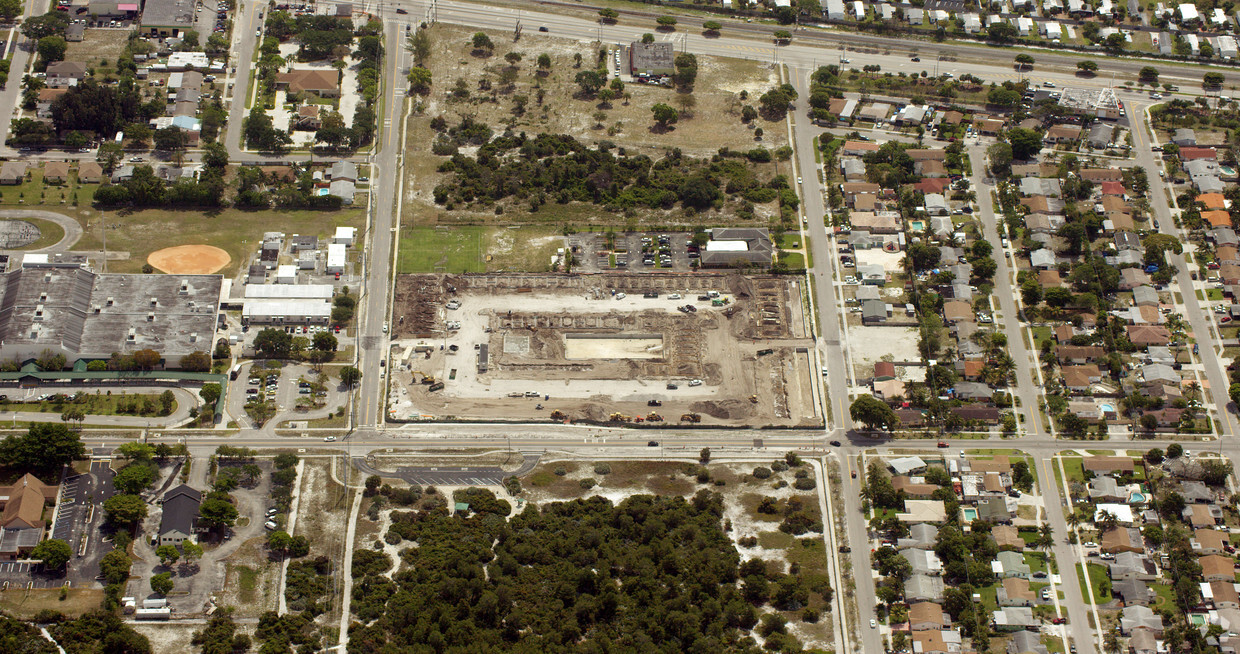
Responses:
[640,348]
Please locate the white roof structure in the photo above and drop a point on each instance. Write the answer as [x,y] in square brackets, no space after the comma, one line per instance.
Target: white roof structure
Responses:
[312,309]
[906,464]
[185,60]
[345,234]
[1122,512]
[336,255]
[727,246]
[289,291]
[1188,12]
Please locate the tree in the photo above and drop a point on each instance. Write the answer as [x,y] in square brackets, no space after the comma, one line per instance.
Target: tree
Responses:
[664,114]
[1025,143]
[114,566]
[704,456]
[873,413]
[1002,33]
[712,27]
[1003,97]
[167,401]
[1024,61]
[782,36]
[217,512]
[349,376]
[1000,160]
[590,81]
[1088,67]
[1175,451]
[109,155]
[666,23]
[647,38]
[146,359]
[775,102]
[1148,75]
[1115,43]
[10,9]
[1212,81]
[125,510]
[191,551]
[51,49]
[161,584]
[134,478]
[167,554]
[273,343]
[544,61]
[44,448]
[196,362]
[170,139]
[210,393]
[420,80]
[279,542]
[53,552]
[52,23]
[608,15]
[482,42]
[325,342]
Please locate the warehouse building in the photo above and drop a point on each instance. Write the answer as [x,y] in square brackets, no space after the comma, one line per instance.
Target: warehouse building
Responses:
[287,304]
[70,310]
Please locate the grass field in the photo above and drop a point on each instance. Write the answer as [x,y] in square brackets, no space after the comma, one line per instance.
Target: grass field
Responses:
[95,405]
[1099,581]
[476,249]
[232,230]
[22,603]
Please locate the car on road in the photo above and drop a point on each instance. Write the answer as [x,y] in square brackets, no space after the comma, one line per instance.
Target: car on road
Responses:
[873,623]
[854,474]
[798,180]
[1156,96]
[915,59]
[402,11]
[329,439]
[942,443]
[652,444]
[1049,85]
[835,443]
[845,60]
[672,387]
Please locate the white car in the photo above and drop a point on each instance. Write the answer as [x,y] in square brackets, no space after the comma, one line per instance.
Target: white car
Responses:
[695,382]
[1089,544]
[674,296]
[329,439]
[270,526]
[873,623]
[798,180]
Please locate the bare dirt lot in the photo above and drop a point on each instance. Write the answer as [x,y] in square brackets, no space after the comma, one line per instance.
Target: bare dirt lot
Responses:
[590,347]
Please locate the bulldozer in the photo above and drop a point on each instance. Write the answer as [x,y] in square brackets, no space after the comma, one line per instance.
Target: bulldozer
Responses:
[690,417]
[618,417]
[558,415]
[654,417]
[753,398]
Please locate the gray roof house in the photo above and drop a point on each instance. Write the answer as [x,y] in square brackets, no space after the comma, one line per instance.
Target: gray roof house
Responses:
[343,170]
[180,515]
[1014,618]
[1127,241]
[1012,564]
[973,391]
[1042,258]
[1184,136]
[1159,373]
[1105,489]
[923,562]
[1133,617]
[343,189]
[994,509]
[1026,642]
[923,588]
[873,312]
[1145,296]
[921,535]
[1040,186]
[1130,565]
[936,204]
[1100,135]
[872,273]
[1134,592]
[1196,492]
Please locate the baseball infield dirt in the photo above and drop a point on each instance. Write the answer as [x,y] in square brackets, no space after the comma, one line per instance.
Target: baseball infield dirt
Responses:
[189,259]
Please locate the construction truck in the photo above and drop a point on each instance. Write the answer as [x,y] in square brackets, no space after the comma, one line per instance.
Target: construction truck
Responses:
[690,417]
[558,415]
[654,417]
[437,386]
[618,417]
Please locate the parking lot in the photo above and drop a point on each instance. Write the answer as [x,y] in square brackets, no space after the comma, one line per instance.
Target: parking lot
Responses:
[633,252]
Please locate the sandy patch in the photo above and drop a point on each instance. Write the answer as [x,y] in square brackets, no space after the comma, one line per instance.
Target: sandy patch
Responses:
[189,259]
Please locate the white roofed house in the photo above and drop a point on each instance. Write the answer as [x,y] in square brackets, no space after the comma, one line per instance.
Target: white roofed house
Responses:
[1188,13]
[1227,46]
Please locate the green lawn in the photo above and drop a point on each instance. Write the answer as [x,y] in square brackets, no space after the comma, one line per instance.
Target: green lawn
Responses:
[1164,598]
[1215,294]
[1036,561]
[1074,468]
[794,260]
[95,405]
[474,249]
[232,230]
[1099,581]
[990,598]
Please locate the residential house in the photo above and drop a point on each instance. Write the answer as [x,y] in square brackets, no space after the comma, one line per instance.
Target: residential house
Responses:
[90,172]
[1145,335]
[1223,594]
[1014,591]
[927,615]
[1026,642]
[1202,515]
[56,172]
[1079,379]
[921,536]
[1131,565]
[1122,539]
[1106,489]
[923,562]
[1133,592]
[320,82]
[1134,617]
[1007,537]
[1014,618]
[1216,567]
[1010,564]
[923,588]
[12,172]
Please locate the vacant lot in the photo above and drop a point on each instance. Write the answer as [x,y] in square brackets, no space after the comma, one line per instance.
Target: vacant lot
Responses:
[492,90]
[22,603]
[98,47]
[470,249]
[239,233]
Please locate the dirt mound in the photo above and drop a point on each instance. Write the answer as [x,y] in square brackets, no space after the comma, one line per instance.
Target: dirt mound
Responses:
[594,412]
[189,259]
[724,409]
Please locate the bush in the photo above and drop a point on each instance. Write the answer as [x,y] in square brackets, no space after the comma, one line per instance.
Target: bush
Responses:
[602,469]
[561,471]
[748,541]
[761,472]
[588,483]
[802,473]
[810,615]
[804,483]
[779,466]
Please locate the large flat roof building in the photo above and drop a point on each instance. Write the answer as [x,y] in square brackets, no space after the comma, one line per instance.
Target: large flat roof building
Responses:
[70,310]
[652,58]
[167,17]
